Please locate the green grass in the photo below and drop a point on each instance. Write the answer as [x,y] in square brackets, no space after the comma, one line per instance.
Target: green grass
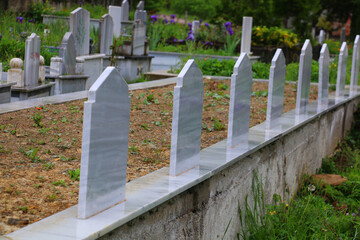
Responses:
[317,212]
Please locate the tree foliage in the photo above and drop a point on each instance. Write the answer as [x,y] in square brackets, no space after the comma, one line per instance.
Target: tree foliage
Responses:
[201,8]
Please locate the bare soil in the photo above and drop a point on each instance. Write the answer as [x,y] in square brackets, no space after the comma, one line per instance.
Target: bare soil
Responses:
[40,148]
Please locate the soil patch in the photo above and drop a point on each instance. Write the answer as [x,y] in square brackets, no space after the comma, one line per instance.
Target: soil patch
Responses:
[40,148]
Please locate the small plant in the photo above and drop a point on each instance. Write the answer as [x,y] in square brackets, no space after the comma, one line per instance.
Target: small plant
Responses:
[74,174]
[60,183]
[31,154]
[218,125]
[49,166]
[37,120]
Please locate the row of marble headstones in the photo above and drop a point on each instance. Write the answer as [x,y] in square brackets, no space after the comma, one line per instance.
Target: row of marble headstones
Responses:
[34,71]
[104,149]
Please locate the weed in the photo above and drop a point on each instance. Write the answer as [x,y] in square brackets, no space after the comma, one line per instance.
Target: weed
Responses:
[145,126]
[74,174]
[60,183]
[49,166]
[218,125]
[37,120]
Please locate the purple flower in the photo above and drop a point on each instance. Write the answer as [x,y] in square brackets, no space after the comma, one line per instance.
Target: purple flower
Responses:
[153,18]
[181,40]
[347,213]
[165,21]
[172,16]
[175,40]
[201,21]
[190,25]
[80,3]
[190,36]
[353,214]
[31,20]
[20,19]
[172,21]
[230,32]
[227,25]
[211,43]
[207,25]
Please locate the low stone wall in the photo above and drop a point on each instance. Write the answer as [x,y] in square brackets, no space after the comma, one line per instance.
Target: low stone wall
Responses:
[204,211]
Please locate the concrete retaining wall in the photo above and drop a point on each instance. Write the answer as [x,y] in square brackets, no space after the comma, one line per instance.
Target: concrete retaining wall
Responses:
[203,211]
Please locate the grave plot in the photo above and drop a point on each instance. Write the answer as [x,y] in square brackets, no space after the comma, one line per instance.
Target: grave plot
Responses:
[41,147]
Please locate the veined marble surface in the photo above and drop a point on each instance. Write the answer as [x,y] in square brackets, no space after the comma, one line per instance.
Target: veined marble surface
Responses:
[323,91]
[355,65]
[276,90]
[303,89]
[153,189]
[240,101]
[341,73]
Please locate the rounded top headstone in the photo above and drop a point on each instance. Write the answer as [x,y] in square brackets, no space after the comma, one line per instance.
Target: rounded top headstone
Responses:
[42,60]
[16,63]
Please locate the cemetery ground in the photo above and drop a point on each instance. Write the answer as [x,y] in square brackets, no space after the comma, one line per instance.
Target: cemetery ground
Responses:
[40,148]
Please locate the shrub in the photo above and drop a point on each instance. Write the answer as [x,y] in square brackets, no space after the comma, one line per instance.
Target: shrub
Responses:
[273,36]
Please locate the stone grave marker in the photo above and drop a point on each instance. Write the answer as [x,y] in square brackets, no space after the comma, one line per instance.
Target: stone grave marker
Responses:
[341,74]
[104,144]
[240,101]
[313,32]
[125,10]
[80,27]
[32,60]
[342,35]
[323,91]
[106,34]
[42,70]
[355,65]
[321,36]
[303,87]
[140,6]
[187,119]
[67,54]
[276,90]
[195,27]
[246,35]
[142,15]
[138,38]
[115,12]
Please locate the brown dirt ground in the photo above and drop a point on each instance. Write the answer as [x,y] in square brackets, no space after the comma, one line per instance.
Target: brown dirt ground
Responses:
[35,160]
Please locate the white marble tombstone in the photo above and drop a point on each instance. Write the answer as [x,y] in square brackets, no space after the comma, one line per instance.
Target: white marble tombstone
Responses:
[104,144]
[125,10]
[41,70]
[32,59]
[138,38]
[355,66]
[276,90]
[303,87]
[142,15]
[342,35]
[80,27]
[187,119]
[246,35]
[15,73]
[321,36]
[115,13]
[140,6]
[106,34]
[240,102]
[313,32]
[323,89]
[195,27]
[67,54]
[341,72]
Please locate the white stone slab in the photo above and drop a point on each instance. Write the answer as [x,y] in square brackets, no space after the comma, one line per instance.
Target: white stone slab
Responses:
[115,12]
[187,119]
[195,27]
[323,89]
[142,15]
[32,59]
[80,27]
[125,10]
[67,53]
[240,102]
[355,66]
[106,34]
[303,87]
[104,144]
[276,90]
[342,35]
[41,70]
[246,35]
[138,38]
[321,36]
[140,6]
[341,74]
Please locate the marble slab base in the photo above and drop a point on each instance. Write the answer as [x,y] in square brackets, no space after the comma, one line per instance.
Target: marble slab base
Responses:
[5,92]
[69,83]
[25,93]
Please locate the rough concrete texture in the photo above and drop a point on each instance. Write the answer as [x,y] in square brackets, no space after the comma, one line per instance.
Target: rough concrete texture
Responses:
[204,211]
